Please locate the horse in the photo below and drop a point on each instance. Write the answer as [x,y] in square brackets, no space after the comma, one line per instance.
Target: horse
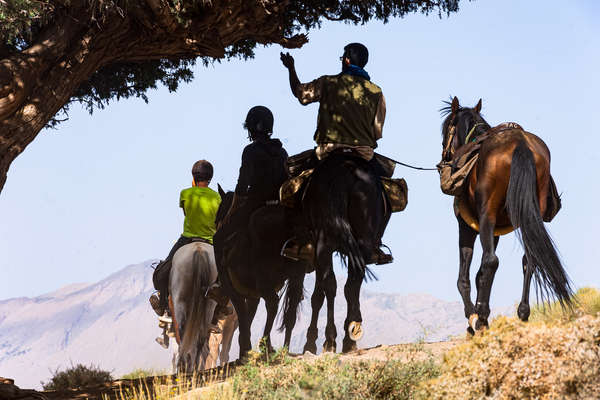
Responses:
[507,189]
[345,211]
[193,271]
[251,267]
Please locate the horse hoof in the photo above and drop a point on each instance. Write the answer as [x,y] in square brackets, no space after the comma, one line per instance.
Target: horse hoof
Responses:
[355,330]
[329,348]
[349,346]
[311,348]
[470,332]
[473,318]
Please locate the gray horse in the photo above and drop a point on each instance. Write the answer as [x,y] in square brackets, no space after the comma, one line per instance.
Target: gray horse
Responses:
[193,271]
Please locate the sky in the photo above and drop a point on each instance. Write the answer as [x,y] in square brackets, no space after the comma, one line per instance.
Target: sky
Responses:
[101,192]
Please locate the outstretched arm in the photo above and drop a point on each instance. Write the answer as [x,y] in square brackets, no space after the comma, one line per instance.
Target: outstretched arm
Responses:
[288,62]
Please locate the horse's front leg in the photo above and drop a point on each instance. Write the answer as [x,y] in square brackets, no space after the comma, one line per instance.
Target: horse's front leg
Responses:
[523,310]
[241,309]
[353,322]
[486,273]
[466,241]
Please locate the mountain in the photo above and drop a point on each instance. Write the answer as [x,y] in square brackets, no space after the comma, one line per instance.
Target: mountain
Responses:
[111,325]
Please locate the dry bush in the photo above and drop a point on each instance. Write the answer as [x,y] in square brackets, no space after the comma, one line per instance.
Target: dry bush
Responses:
[77,377]
[515,360]
[586,300]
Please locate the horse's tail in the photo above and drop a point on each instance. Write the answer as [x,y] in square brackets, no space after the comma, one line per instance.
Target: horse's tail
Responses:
[523,209]
[337,225]
[194,327]
[293,293]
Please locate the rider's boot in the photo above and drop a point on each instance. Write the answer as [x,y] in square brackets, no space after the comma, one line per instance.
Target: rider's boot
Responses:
[156,304]
[297,252]
[164,339]
[379,257]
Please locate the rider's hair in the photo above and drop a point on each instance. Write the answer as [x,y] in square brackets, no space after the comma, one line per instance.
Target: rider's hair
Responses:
[202,171]
[259,122]
[357,53]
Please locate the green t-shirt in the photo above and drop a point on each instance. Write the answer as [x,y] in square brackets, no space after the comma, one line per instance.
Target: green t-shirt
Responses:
[200,205]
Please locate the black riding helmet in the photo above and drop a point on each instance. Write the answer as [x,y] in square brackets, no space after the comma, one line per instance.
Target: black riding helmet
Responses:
[259,122]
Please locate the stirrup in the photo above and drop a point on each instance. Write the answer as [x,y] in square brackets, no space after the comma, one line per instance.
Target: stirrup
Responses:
[300,253]
[165,318]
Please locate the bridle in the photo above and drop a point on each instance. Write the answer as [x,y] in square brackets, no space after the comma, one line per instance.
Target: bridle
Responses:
[448,149]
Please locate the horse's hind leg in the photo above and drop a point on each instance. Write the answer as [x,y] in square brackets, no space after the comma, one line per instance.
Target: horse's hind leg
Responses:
[294,297]
[523,310]
[239,303]
[466,240]
[330,331]
[271,304]
[353,316]
[316,302]
[486,273]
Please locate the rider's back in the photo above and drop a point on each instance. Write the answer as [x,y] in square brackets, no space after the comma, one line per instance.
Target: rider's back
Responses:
[348,106]
[200,205]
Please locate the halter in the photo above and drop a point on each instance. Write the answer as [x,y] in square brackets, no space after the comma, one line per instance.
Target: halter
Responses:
[449,143]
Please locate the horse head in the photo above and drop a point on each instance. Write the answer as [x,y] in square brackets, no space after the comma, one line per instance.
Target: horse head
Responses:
[226,200]
[462,124]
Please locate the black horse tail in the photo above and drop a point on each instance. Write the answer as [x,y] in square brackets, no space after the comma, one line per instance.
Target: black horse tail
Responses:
[339,228]
[293,294]
[522,204]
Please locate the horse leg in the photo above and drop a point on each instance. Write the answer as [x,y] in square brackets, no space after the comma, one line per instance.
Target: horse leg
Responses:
[252,304]
[229,327]
[316,302]
[353,322]
[294,297]
[239,303]
[486,273]
[466,241]
[523,310]
[271,304]
[330,331]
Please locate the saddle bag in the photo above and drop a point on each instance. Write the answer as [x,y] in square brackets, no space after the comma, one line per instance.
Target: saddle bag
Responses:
[291,190]
[553,203]
[453,178]
[397,193]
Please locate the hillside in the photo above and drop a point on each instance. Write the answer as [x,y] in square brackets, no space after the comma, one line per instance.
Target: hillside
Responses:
[110,324]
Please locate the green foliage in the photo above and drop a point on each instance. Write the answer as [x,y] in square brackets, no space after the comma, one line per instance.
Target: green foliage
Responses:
[142,373]
[326,377]
[586,302]
[77,377]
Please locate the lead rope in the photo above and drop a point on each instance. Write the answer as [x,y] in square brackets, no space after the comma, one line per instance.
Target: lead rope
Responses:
[407,165]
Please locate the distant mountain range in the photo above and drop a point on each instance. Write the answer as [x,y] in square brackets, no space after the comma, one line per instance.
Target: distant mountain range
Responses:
[111,325]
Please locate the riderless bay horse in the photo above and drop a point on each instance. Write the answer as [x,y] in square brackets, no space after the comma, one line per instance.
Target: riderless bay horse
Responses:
[507,189]
[346,212]
[251,267]
[192,272]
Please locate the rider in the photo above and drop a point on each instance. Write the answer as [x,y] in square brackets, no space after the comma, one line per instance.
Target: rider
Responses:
[263,169]
[351,114]
[200,205]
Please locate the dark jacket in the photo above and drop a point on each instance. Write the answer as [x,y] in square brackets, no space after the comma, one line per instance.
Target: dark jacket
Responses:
[263,170]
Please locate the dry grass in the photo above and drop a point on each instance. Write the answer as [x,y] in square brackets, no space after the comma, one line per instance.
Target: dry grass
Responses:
[586,300]
[556,356]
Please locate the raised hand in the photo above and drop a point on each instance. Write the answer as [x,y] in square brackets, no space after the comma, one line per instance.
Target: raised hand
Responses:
[287,60]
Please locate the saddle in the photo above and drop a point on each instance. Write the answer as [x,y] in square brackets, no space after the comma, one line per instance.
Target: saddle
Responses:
[301,167]
[454,174]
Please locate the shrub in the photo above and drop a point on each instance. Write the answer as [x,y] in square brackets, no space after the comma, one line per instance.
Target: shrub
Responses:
[77,377]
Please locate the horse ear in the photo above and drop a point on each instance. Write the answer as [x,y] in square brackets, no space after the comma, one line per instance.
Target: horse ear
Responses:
[455,105]
[478,107]
[221,191]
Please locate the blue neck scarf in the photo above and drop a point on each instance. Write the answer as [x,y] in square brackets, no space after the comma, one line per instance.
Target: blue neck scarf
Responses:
[355,70]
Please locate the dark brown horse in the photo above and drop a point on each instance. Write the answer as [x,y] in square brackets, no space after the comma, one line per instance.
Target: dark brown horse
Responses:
[507,189]
[251,267]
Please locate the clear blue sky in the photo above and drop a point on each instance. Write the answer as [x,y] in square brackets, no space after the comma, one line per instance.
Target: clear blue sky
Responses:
[101,192]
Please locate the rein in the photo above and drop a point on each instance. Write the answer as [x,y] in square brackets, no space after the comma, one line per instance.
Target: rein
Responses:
[407,165]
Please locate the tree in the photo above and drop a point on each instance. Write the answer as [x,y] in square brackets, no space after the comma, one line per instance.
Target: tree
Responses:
[55,52]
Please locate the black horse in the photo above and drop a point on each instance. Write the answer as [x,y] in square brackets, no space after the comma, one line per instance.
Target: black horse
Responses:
[346,212]
[250,267]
